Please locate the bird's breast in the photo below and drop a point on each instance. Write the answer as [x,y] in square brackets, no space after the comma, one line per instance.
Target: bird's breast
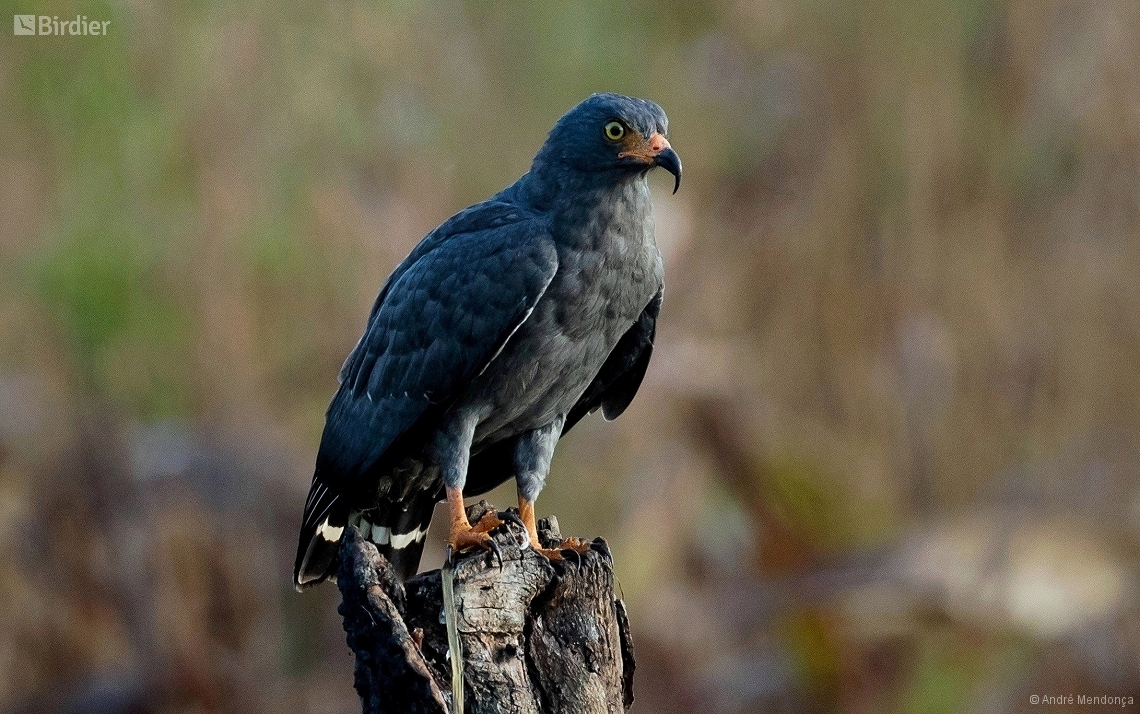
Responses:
[609,269]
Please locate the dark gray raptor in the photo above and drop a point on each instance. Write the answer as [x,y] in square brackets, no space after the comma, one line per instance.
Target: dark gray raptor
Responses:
[501,330]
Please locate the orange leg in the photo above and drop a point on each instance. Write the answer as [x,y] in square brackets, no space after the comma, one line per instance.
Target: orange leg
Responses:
[461,535]
[526,512]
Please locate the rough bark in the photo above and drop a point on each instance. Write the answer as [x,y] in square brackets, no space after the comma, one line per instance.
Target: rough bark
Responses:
[538,637]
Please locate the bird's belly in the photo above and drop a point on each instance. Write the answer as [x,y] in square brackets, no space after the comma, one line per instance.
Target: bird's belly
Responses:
[551,360]
[537,383]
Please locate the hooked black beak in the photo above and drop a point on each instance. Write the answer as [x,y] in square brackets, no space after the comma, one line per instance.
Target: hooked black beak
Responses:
[668,160]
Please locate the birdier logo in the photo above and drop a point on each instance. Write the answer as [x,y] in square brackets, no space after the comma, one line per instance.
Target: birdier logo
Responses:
[52,25]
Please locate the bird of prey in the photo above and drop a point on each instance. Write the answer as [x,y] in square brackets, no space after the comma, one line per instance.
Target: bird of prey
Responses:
[504,327]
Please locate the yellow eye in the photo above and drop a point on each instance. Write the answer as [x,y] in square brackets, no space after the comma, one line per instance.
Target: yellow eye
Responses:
[614,131]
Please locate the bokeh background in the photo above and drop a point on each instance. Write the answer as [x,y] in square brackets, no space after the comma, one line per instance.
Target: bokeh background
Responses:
[886,458]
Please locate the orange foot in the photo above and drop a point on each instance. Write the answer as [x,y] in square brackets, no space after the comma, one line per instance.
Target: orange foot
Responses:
[461,539]
[461,536]
[574,545]
[489,522]
[464,535]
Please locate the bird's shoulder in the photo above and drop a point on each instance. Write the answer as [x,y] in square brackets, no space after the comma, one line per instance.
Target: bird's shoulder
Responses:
[490,256]
[498,211]
[498,217]
[496,238]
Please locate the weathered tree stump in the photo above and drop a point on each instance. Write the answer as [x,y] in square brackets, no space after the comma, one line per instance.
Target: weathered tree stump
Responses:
[538,637]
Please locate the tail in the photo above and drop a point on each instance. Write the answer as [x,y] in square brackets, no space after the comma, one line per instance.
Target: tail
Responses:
[402,543]
[326,516]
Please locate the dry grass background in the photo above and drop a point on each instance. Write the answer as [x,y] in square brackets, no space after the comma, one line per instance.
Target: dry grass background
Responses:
[886,459]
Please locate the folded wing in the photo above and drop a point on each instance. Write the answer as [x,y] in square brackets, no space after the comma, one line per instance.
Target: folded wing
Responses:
[443,316]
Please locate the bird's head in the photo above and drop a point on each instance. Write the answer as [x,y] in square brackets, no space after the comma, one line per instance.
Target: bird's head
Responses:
[612,132]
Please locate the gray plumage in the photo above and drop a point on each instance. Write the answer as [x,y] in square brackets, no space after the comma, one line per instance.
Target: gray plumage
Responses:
[502,329]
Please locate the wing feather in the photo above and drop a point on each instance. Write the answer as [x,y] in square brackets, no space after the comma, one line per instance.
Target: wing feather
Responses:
[440,319]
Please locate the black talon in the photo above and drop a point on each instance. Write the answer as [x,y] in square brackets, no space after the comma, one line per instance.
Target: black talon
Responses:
[577,556]
[449,555]
[494,547]
[508,517]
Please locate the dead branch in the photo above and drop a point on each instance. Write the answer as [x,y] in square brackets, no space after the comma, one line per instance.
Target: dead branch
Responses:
[538,637]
